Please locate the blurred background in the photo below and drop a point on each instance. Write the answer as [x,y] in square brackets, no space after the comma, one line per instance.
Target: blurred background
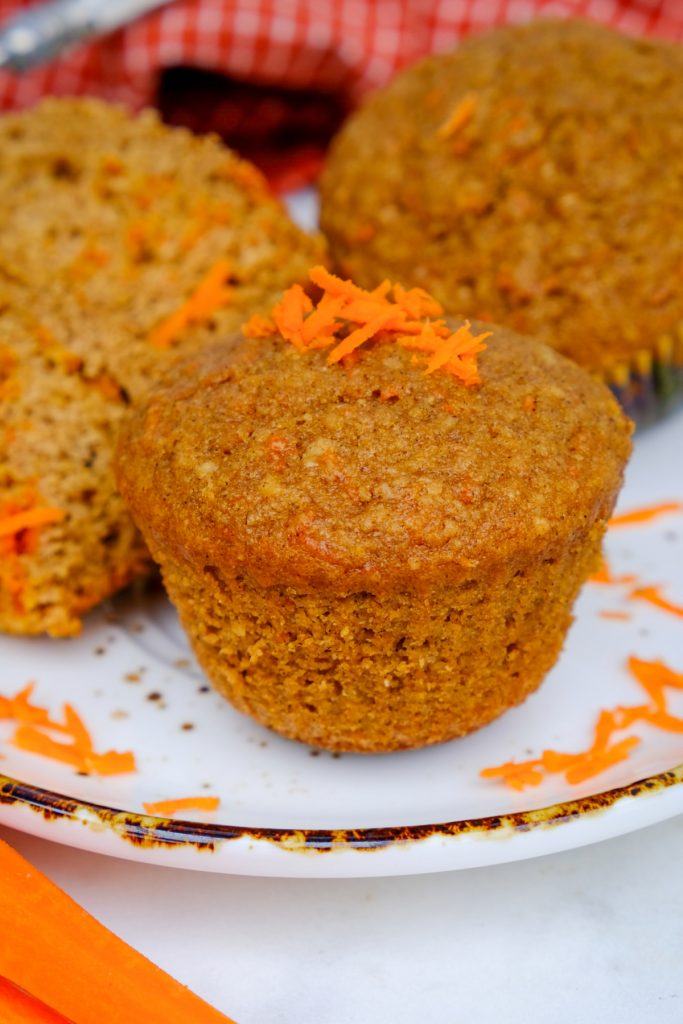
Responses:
[273,77]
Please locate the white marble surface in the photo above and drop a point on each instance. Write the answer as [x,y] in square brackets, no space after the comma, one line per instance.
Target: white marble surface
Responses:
[592,935]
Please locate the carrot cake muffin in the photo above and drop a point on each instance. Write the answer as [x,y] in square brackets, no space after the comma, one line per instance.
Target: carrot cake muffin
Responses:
[374,523]
[123,244]
[532,178]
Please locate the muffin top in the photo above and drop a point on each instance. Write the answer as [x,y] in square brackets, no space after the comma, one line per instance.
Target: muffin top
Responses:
[256,457]
[531,177]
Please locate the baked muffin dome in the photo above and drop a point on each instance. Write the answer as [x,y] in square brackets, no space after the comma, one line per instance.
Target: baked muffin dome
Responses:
[123,243]
[365,556]
[532,177]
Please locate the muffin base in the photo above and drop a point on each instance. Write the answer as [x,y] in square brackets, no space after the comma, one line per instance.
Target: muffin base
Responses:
[371,673]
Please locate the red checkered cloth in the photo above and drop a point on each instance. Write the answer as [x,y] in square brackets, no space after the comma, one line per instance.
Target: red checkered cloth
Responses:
[348,46]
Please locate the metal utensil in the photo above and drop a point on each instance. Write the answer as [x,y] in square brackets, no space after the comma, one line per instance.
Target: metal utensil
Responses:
[45,31]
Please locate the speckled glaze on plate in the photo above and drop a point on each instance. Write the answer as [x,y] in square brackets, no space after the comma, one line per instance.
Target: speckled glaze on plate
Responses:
[288,810]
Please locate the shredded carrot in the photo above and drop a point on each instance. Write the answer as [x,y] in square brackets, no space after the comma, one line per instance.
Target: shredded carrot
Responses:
[19,709]
[615,616]
[33,517]
[644,515]
[33,736]
[259,327]
[347,317]
[595,764]
[167,808]
[21,520]
[459,117]
[653,596]
[210,295]
[654,677]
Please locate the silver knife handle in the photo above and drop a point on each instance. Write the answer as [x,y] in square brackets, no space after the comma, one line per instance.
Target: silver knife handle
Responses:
[43,32]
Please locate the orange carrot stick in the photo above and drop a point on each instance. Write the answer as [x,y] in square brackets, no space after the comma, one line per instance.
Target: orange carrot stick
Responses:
[72,963]
[18,1007]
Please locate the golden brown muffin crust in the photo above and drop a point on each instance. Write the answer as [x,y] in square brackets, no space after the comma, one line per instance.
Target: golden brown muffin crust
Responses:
[550,203]
[259,460]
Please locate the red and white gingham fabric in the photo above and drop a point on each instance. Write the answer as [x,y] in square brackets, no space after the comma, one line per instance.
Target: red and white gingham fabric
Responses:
[344,45]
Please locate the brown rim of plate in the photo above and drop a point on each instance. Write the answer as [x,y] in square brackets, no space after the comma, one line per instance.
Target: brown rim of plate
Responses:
[149,832]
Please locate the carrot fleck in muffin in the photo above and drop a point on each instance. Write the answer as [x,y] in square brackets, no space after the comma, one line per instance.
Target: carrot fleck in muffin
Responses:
[122,245]
[532,178]
[374,523]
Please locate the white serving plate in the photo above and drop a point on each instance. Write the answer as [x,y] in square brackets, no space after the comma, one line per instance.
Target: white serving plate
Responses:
[287,810]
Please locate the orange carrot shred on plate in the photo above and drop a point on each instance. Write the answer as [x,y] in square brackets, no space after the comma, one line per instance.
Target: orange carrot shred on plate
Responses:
[19,709]
[654,677]
[70,962]
[656,671]
[167,808]
[646,514]
[593,764]
[663,720]
[210,295]
[458,117]
[31,740]
[76,749]
[603,574]
[516,774]
[653,596]
[615,616]
[80,756]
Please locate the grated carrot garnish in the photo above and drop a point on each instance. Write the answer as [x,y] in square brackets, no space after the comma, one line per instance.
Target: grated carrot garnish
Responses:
[654,677]
[33,736]
[259,327]
[347,317]
[210,295]
[653,596]
[458,117]
[516,774]
[29,519]
[167,808]
[615,616]
[19,709]
[595,764]
[645,515]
